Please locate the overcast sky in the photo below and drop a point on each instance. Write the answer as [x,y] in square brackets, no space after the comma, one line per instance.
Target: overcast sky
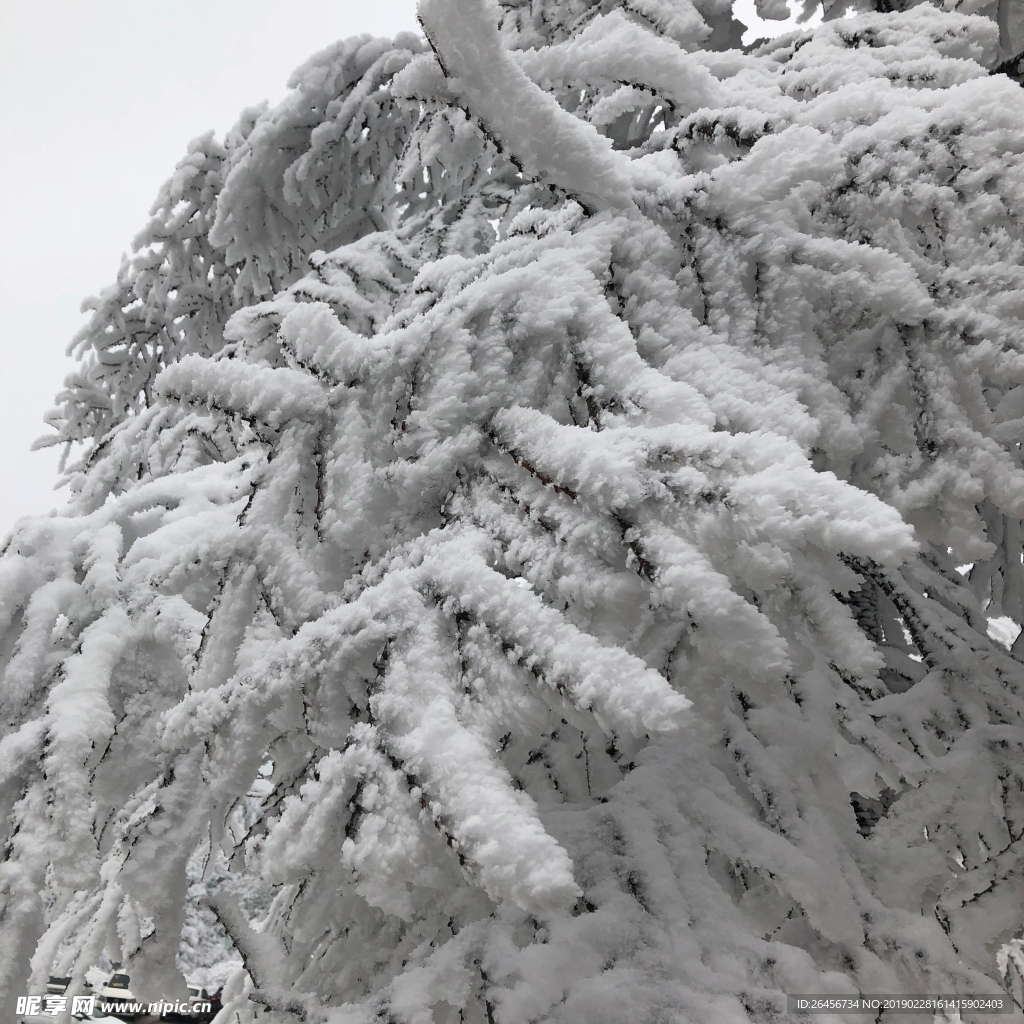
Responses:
[98,99]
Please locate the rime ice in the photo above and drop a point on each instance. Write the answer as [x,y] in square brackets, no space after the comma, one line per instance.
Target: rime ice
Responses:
[539,494]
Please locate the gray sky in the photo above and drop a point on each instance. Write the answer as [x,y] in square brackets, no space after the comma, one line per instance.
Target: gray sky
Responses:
[98,99]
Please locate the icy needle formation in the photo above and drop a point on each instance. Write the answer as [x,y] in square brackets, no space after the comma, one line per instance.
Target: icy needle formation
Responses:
[538,499]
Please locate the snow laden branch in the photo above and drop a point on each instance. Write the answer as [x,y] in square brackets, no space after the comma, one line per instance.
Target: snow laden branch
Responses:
[539,501]
[542,139]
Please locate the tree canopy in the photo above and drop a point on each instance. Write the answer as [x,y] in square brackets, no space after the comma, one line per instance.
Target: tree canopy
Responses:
[539,494]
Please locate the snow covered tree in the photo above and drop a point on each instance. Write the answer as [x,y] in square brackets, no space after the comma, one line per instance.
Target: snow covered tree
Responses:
[538,499]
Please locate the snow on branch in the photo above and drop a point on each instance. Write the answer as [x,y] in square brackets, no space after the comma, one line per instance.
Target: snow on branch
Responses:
[546,141]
